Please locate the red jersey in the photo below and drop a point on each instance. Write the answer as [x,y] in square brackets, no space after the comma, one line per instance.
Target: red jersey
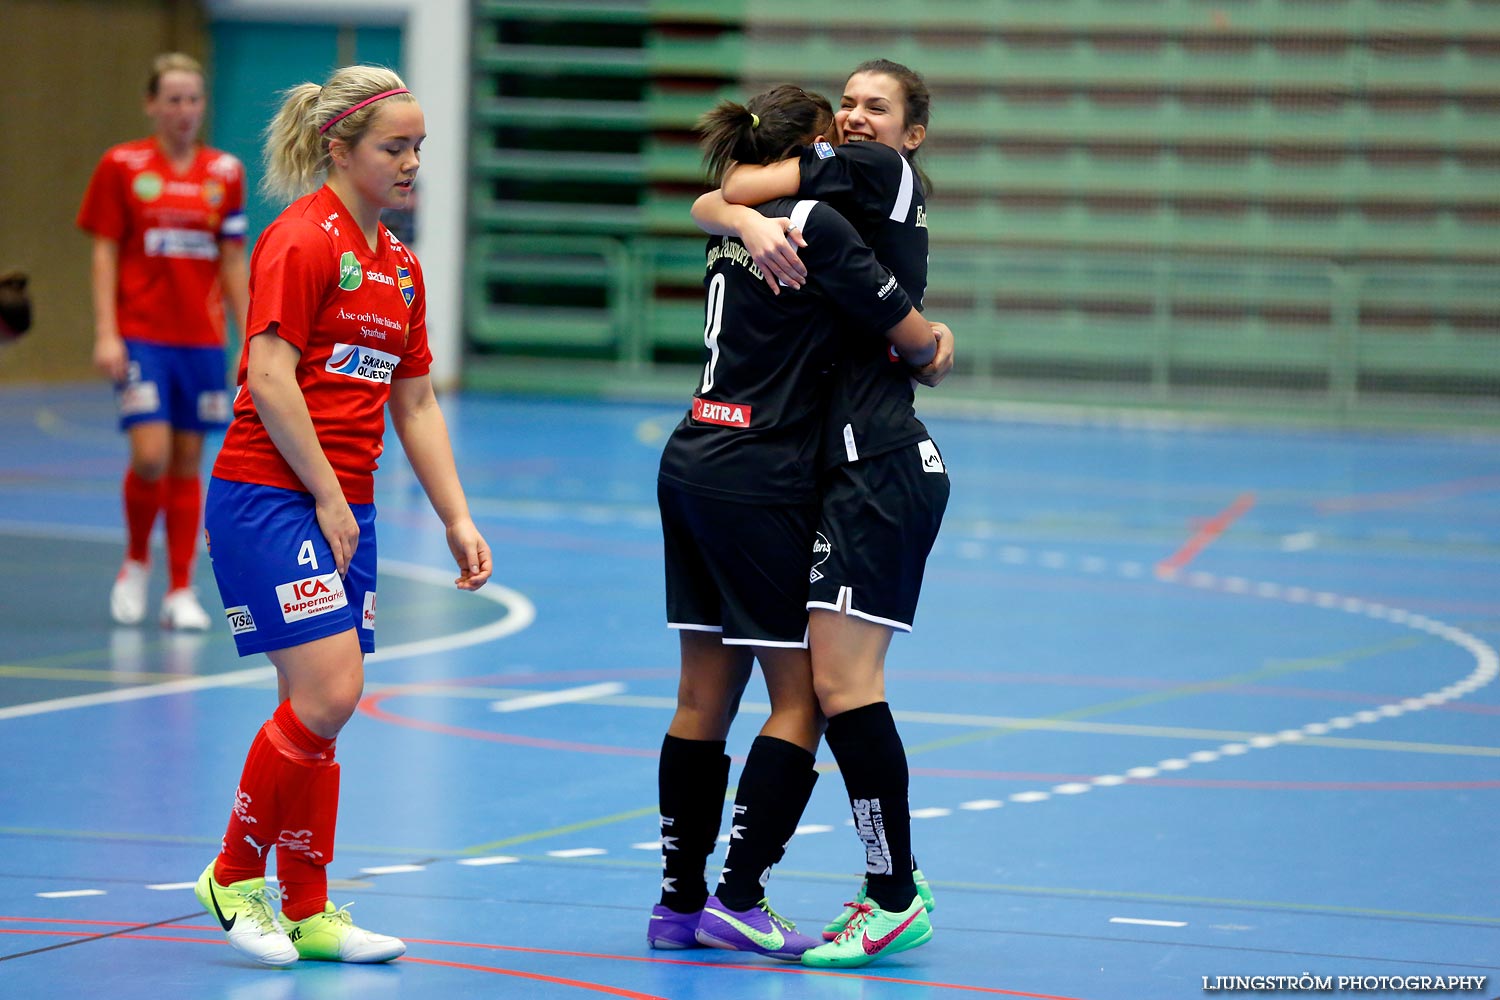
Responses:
[359,318]
[168,226]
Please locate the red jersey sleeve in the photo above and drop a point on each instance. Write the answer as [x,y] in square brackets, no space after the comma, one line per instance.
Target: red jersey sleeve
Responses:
[103,212]
[290,273]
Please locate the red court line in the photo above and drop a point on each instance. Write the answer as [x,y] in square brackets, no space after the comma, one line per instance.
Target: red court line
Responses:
[596,987]
[779,969]
[613,991]
[1408,498]
[370,705]
[1206,534]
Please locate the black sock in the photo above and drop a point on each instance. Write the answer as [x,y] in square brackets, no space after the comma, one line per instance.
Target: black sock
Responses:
[691,778]
[774,788]
[872,760]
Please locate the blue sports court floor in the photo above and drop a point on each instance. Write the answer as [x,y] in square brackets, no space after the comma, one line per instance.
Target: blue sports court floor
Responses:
[1183,702]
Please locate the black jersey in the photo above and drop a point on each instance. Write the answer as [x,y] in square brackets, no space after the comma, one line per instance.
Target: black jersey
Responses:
[756,419]
[871,407]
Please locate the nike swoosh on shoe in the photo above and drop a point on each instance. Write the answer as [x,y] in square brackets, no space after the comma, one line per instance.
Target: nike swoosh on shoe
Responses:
[228,925]
[771,940]
[875,947]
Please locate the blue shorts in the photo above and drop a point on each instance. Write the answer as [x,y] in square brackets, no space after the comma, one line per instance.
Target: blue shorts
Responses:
[183,386]
[276,572]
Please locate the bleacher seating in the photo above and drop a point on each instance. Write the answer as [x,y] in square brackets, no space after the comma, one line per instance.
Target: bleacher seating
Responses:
[1258,193]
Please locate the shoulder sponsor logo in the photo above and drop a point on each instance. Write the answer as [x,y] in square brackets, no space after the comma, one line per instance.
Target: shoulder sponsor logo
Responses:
[380,277]
[358,361]
[823,149]
[407,286]
[724,414]
[886,289]
[921,217]
[213,192]
[240,619]
[351,275]
[147,185]
[315,595]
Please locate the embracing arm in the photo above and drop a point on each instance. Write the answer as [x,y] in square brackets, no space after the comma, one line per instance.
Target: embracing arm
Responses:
[271,380]
[914,339]
[424,435]
[772,243]
[751,184]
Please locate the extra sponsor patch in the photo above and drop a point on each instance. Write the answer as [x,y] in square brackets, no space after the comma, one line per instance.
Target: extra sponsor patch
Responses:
[931,460]
[240,619]
[367,618]
[357,361]
[724,414]
[315,595]
[823,149]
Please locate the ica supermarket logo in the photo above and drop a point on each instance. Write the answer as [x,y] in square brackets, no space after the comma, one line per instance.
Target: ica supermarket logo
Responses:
[350,273]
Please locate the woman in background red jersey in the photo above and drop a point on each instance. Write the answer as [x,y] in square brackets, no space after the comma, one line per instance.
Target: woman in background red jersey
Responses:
[337,332]
[168,219]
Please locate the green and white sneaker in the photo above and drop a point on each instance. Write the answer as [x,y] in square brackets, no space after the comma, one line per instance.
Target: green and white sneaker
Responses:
[870,934]
[841,921]
[331,936]
[244,911]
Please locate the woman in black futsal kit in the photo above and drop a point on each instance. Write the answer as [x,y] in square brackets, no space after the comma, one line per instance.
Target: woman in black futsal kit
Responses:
[883,489]
[739,512]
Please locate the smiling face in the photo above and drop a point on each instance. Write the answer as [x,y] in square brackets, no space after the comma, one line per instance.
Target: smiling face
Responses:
[380,166]
[176,109]
[874,110]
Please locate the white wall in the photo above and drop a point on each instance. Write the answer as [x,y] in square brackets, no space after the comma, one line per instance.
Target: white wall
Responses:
[435,47]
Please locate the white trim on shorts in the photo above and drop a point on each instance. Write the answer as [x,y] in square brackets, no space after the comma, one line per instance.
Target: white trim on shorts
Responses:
[845,605]
[767,643]
[741,642]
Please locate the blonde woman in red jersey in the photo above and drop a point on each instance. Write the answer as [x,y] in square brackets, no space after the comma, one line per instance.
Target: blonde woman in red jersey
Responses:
[168,219]
[337,333]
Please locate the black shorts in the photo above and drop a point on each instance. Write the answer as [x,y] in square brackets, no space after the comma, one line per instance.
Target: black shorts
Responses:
[739,569]
[879,519]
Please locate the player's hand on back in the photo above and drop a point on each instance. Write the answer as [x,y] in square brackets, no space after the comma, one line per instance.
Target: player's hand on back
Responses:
[772,244]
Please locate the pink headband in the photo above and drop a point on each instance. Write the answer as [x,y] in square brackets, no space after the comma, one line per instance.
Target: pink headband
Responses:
[365,103]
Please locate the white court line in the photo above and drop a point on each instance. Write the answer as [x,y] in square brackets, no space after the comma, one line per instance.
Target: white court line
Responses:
[70,894]
[520,613]
[1147,923]
[544,698]
[392,869]
[577,852]
[170,886]
[498,859]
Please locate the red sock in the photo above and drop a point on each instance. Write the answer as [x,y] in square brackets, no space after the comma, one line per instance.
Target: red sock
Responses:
[286,761]
[143,498]
[183,498]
